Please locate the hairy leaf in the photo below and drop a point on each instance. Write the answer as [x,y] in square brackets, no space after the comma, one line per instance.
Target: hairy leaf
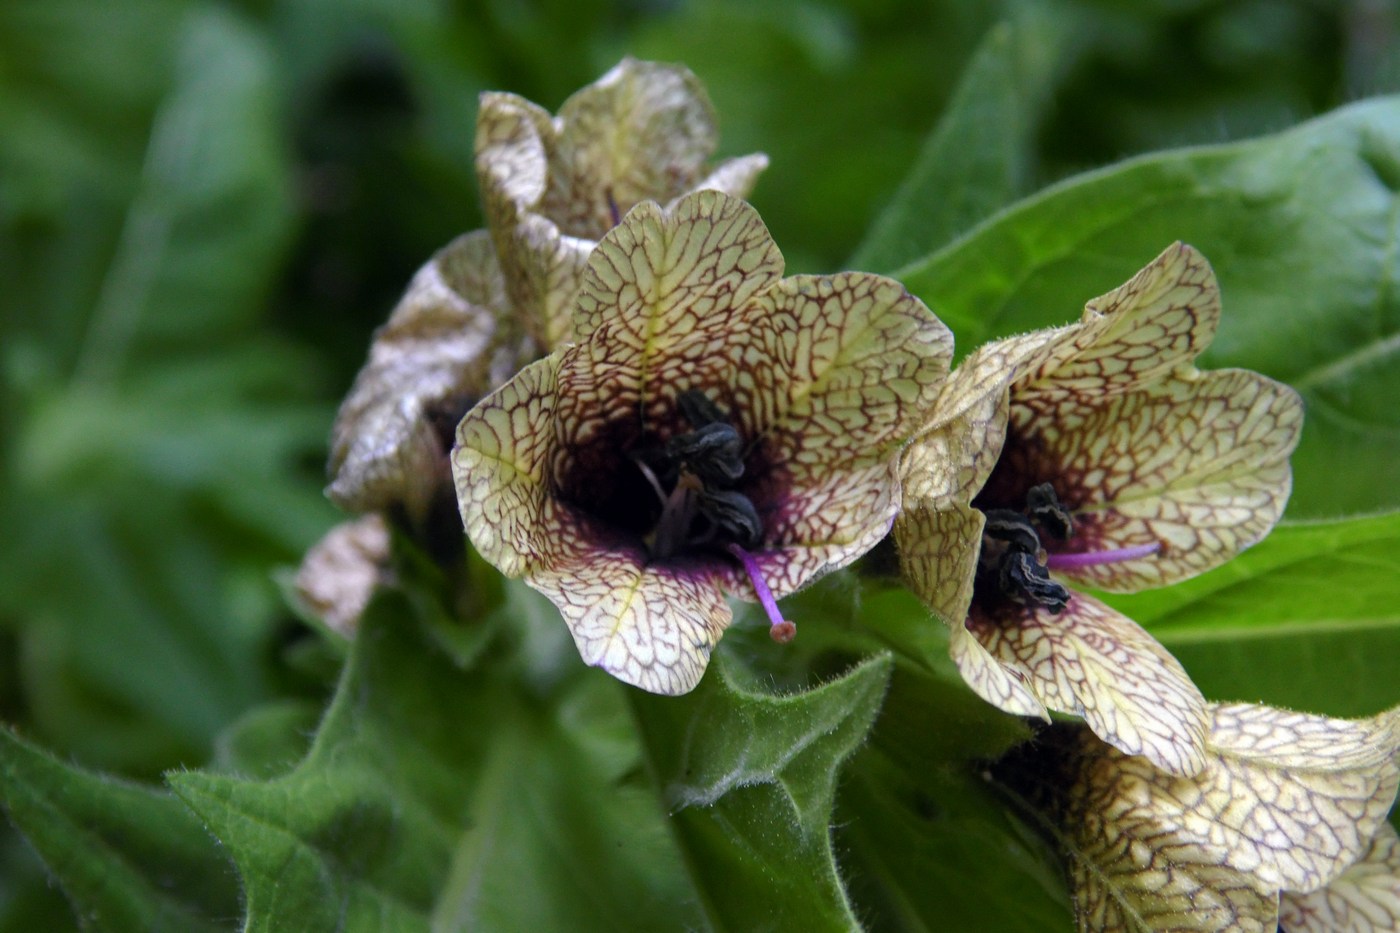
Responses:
[750,779]
[430,792]
[128,857]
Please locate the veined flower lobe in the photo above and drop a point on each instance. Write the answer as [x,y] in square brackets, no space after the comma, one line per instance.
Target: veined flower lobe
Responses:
[1097,454]
[714,428]
[1283,828]
[553,185]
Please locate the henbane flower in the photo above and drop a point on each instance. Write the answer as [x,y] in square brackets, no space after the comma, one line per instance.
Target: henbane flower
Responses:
[493,300]
[1098,454]
[552,186]
[714,429]
[1282,829]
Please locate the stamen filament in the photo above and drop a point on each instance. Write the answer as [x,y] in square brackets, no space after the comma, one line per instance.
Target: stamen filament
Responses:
[1094,558]
[651,478]
[779,629]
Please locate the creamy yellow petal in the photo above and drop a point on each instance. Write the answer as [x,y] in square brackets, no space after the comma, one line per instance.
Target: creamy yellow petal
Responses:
[938,543]
[1155,323]
[1002,685]
[1134,868]
[1363,899]
[838,369]
[501,468]
[941,470]
[1197,466]
[661,291]
[648,626]
[825,522]
[1273,811]
[1090,661]
[641,132]
[1295,797]
[436,356]
[651,626]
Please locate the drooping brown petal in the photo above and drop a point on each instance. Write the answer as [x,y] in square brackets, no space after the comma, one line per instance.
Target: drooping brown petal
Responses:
[441,350]
[552,186]
[1090,661]
[1363,899]
[641,132]
[341,571]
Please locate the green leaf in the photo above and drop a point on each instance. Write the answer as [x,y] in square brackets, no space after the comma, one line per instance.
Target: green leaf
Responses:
[1309,618]
[157,456]
[28,900]
[931,847]
[268,740]
[430,792]
[980,154]
[128,857]
[1302,230]
[966,726]
[750,779]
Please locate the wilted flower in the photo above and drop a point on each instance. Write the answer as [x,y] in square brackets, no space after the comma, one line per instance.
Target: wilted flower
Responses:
[447,344]
[340,573]
[1099,454]
[715,428]
[1288,812]
[552,186]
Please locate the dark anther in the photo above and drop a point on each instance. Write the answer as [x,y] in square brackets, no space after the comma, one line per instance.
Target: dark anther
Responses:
[694,475]
[1013,528]
[1045,508]
[1026,581]
[712,452]
[612,206]
[732,515]
[699,410]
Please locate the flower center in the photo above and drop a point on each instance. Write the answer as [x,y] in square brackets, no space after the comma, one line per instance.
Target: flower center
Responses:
[1012,563]
[694,476]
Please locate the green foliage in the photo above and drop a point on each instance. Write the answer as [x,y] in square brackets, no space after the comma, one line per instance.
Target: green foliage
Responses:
[206,208]
[129,857]
[749,780]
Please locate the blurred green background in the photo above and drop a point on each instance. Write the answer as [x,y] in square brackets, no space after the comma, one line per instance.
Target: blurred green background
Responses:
[206,208]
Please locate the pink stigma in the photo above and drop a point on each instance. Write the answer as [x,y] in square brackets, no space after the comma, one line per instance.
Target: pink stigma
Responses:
[779,629]
[1093,558]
